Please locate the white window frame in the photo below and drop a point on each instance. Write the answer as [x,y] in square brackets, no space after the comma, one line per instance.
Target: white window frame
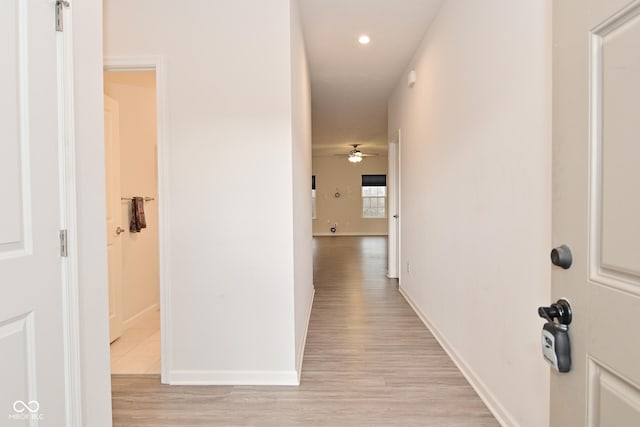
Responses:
[368,199]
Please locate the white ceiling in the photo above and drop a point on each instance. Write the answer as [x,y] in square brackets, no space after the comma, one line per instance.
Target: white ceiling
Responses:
[350,82]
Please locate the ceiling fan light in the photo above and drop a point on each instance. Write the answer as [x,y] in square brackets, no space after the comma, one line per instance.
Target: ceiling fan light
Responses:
[355,158]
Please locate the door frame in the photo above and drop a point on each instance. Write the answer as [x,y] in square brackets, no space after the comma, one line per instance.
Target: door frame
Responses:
[393,200]
[157,64]
[69,264]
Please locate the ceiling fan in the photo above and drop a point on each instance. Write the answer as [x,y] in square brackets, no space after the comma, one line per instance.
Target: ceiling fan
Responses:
[355,155]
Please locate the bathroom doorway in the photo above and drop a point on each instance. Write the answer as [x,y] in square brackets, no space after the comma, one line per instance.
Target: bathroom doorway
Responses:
[133,220]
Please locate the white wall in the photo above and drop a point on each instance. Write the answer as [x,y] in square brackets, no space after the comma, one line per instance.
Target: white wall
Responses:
[336,174]
[90,183]
[230,178]
[476,187]
[301,131]
[135,92]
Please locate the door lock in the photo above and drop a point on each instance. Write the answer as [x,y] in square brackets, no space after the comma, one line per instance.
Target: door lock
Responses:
[556,347]
[561,256]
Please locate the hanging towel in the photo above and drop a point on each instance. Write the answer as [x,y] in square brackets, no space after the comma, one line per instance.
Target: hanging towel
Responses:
[137,220]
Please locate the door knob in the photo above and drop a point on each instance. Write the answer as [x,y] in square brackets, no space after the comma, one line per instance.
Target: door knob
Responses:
[560,310]
[119,231]
[396,216]
[561,256]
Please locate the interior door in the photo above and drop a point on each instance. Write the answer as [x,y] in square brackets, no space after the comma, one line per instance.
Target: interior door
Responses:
[115,227]
[32,359]
[596,208]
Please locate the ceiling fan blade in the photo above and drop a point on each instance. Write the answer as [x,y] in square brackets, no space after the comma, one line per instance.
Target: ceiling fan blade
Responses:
[362,154]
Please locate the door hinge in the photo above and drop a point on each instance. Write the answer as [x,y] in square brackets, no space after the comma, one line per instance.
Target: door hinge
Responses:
[63,243]
[60,5]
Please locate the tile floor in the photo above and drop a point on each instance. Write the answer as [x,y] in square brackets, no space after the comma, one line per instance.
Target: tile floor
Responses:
[137,351]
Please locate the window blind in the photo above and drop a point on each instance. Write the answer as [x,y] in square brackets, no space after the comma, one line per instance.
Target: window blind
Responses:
[374,180]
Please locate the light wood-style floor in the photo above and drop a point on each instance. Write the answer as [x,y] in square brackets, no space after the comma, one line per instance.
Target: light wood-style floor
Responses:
[369,360]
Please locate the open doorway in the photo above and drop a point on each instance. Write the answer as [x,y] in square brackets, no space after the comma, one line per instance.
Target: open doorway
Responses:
[132,220]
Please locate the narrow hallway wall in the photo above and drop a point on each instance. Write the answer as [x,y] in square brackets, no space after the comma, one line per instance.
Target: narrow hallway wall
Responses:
[301,168]
[476,195]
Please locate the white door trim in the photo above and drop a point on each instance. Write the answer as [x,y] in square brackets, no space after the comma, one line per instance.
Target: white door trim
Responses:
[69,221]
[394,270]
[157,64]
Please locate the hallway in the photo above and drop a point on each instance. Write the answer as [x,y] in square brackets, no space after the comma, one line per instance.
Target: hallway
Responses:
[369,360]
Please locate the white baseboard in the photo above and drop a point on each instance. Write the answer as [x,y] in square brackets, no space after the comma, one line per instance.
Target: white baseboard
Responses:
[304,340]
[502,415]
[233,378]
[137,317]
[349,234]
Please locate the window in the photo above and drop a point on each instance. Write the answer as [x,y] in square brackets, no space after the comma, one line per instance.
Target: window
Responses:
[313,197]
[374,196]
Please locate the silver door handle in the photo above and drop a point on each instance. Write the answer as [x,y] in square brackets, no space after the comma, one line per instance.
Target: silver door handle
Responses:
[396,216]
[119,231]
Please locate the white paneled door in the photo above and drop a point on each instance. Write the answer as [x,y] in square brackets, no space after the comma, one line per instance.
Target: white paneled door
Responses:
[596,208]
[115,229]
[32,362]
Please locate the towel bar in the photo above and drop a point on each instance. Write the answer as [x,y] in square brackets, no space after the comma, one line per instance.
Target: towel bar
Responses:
[146,199]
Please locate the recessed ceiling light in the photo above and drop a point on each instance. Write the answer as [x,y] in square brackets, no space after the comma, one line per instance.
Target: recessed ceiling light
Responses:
[364,39]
